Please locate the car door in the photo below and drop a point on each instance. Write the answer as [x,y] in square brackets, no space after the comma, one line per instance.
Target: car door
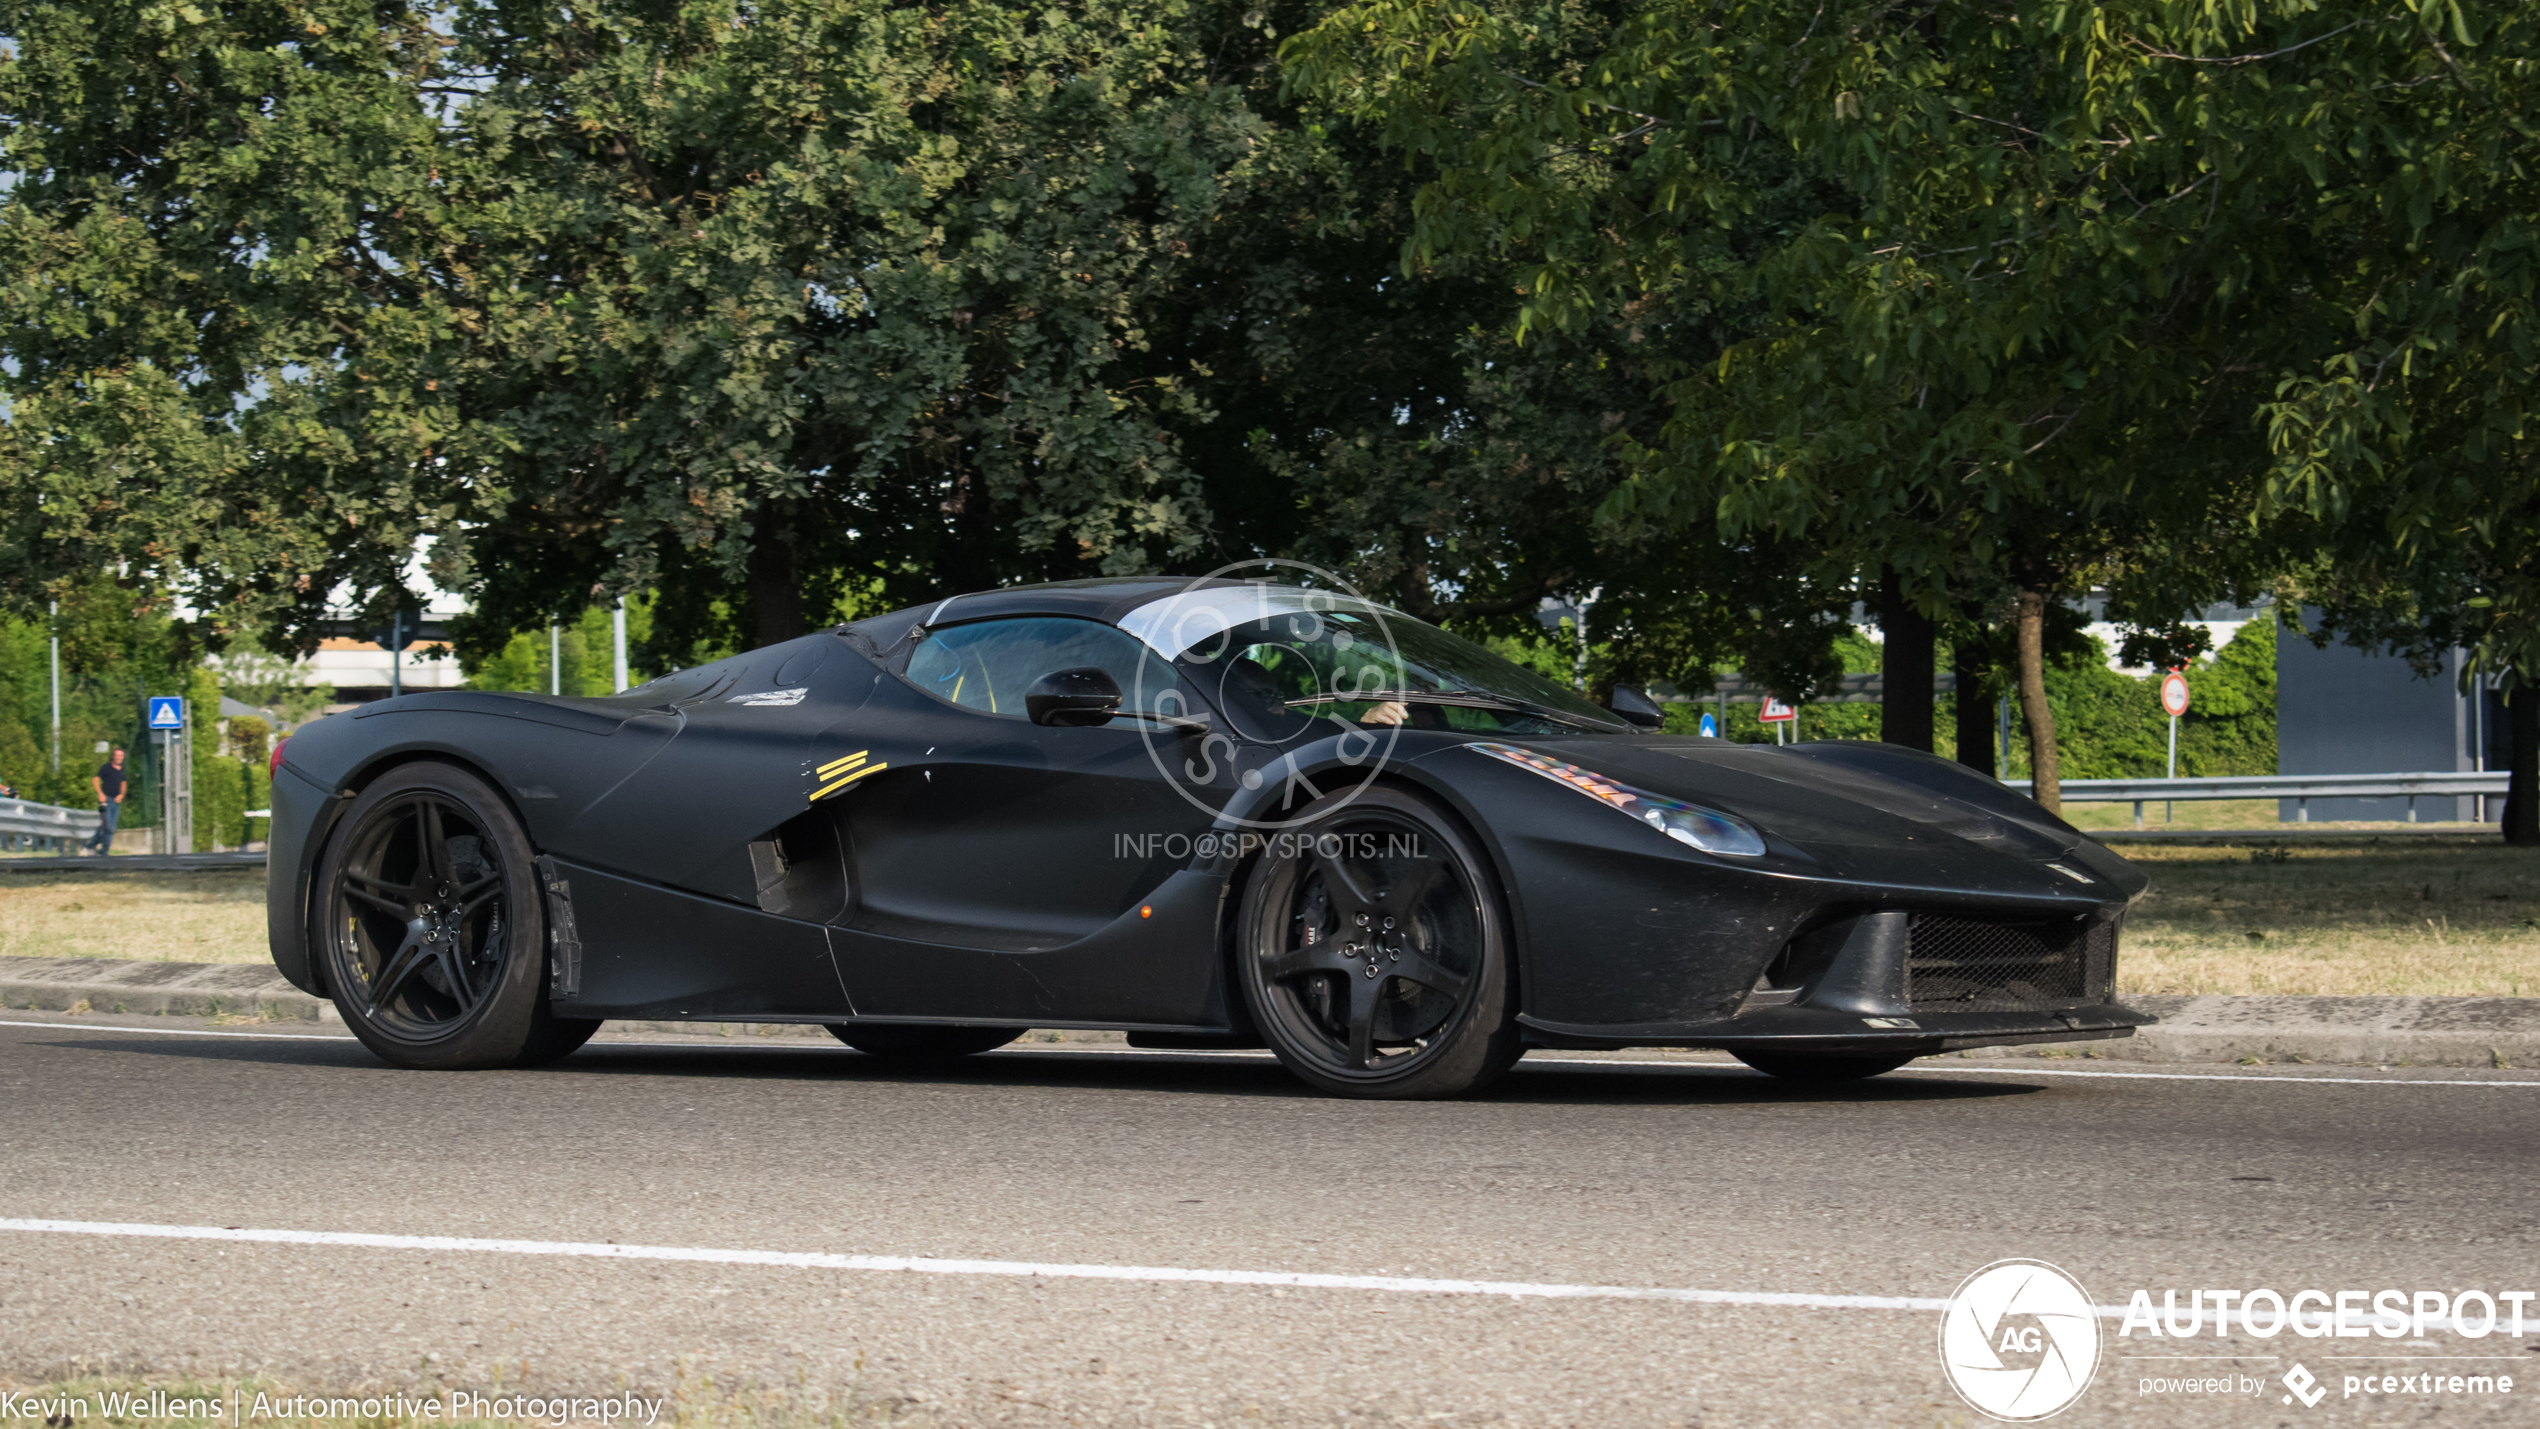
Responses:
[1001,873]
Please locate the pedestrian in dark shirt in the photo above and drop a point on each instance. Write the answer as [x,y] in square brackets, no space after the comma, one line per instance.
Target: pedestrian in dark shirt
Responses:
[108,782]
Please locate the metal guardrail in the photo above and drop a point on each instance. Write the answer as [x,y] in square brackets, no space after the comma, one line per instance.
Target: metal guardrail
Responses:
[2301,788]
[26,824]
[1867,689]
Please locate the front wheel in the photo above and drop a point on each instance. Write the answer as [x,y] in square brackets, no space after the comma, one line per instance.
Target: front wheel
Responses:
[430,926]
[1816,1067]
[1374,952]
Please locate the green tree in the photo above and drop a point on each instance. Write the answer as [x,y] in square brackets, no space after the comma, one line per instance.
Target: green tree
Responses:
[742,303]
[1986,301]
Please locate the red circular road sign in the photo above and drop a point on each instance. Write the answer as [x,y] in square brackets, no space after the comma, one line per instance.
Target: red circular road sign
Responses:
[2174,694]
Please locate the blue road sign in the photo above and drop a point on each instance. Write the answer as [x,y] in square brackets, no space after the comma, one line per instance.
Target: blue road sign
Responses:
[167,711]
[1710,728]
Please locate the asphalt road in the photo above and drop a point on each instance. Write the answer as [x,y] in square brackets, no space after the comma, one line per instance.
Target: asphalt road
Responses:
[1571,1172]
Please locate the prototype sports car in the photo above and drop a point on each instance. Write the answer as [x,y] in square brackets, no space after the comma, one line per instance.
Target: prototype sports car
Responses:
[1204,813]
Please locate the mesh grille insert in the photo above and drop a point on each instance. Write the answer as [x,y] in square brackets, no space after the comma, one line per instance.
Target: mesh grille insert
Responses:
[1986,964]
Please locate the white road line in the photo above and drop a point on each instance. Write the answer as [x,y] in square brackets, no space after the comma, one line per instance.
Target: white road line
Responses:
[1149,1274]
[925,1265]
[2221,1077]
[1943,1068]
[181,1031]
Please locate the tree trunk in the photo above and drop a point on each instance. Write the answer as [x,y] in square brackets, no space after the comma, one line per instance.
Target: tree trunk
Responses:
[2031,631]
[1910,642]
[2522,799]
[1975,710]
[776,593]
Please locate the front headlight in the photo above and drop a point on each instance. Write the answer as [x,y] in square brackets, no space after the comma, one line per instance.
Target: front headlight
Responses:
[1690,824]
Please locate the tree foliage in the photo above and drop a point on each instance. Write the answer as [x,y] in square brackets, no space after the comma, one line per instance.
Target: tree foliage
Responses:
[2009,301]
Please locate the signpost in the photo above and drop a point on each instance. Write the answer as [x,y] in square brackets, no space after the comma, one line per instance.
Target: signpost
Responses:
[1776,713]
[394,637]
[176,773]
[2174,700]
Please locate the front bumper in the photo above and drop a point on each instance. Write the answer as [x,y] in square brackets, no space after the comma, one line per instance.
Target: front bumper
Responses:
[1899,982]
[1793,1028]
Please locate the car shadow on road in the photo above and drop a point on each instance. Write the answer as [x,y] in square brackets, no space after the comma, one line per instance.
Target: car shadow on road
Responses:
[1531,1083]
[1259,1076]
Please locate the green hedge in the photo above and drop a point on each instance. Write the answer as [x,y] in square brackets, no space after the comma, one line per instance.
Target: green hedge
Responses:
[225,788]
[2107,725]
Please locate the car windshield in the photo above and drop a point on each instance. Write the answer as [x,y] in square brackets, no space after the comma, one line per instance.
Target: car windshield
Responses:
[1284,652]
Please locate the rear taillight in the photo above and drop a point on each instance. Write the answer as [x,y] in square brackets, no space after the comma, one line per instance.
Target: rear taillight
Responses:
[273,764]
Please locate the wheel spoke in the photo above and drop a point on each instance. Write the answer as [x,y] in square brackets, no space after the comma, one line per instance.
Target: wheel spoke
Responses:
[1363,997]
[1405,896]
[454,967]
[1419,967]
[473,906]
[379,887]
[435,866]
[1320,956]
[1349,892]
[402,908]
[411,954]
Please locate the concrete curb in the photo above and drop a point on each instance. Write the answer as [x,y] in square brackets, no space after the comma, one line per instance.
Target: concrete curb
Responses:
[2382,1031]
[135,863]
[2295,836]
[167,989]
[244,990]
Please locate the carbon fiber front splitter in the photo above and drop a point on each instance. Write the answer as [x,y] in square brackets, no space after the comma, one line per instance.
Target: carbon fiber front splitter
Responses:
[1796,1028]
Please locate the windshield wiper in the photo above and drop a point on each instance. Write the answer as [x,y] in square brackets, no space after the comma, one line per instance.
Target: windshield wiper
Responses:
[1458,699]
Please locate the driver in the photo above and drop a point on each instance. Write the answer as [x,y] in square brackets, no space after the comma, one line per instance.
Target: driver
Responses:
[1280,673]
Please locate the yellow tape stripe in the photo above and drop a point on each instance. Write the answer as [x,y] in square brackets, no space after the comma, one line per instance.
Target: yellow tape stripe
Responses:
[834,765]
[844,780]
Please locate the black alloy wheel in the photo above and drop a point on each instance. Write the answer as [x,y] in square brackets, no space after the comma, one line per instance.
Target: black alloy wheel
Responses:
[921,1041]
[1819,1066]
[1373,951]
[430,925]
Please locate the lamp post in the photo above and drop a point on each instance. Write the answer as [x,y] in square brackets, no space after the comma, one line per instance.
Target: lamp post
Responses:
[55,626]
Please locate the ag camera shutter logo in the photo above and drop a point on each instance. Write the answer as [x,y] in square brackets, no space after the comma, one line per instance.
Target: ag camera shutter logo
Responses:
[2019,1341]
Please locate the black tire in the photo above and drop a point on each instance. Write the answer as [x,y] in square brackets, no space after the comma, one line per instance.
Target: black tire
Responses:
[1820,1067]
[1373,950]
[427,916]
[921,1041]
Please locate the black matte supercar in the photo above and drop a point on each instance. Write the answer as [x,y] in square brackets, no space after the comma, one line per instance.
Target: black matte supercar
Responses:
[1207,814]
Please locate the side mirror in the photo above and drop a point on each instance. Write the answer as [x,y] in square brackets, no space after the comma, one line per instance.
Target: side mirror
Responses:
[1073,699]
[1638,708]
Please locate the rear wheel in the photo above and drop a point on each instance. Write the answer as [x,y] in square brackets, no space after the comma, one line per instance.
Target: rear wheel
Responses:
[429,923]
[920,1041]
[1816,1067]
[1373,951]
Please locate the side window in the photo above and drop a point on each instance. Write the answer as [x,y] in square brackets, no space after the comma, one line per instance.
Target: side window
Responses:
[988,666]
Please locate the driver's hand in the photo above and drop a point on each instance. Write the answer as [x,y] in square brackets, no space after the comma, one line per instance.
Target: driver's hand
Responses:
[1385,712]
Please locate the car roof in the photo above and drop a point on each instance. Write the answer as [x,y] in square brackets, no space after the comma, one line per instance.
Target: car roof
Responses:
[1106,598]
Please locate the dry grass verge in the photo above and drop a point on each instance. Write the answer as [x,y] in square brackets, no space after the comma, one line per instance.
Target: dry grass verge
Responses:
[2236,814]
[2456,920]
[209,917]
